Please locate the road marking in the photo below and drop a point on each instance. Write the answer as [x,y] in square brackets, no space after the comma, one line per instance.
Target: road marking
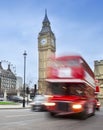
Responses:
[18,115]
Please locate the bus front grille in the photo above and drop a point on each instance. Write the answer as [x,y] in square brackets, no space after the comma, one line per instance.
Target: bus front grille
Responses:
[63,106]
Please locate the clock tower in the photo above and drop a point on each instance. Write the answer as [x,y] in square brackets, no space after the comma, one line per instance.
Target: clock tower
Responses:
[46,48]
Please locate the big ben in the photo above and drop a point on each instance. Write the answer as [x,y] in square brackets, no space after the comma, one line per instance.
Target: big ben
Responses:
[46,48]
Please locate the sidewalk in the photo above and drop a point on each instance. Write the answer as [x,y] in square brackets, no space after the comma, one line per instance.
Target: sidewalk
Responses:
[18,106]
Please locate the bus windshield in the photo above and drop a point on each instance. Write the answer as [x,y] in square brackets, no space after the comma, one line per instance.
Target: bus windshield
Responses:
[66,89]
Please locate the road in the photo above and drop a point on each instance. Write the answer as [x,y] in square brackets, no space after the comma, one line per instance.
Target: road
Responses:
[25,119]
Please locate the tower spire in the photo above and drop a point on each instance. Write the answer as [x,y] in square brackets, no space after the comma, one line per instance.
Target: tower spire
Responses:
[45,11]
[46,24]
[46,20]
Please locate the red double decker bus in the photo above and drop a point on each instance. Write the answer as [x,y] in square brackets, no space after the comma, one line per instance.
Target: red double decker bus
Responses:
[70,87]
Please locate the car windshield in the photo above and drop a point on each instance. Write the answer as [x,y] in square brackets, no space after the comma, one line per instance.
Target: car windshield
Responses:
[39,98]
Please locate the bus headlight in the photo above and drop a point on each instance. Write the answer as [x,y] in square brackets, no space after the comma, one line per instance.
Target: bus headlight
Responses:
[49,104]
[98,103]
[77,106]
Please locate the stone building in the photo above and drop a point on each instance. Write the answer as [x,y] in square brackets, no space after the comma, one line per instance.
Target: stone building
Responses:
[7,81]
[98,71]
[46,48]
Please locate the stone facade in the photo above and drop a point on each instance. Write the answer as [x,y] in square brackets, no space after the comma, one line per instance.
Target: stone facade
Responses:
[46,48]
[7,80]
[98,70]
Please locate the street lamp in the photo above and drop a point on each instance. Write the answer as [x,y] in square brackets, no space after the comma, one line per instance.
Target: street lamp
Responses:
[25,54]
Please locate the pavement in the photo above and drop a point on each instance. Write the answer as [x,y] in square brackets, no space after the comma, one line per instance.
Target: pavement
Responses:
[17,106]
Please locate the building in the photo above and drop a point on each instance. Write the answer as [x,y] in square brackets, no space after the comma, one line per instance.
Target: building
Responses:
[46,48]
[98,71]
[7,80]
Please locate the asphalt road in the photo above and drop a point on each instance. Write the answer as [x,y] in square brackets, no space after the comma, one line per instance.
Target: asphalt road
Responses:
[25,119]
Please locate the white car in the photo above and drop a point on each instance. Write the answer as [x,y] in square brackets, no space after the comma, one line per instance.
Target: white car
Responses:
[37,103]
[1,98]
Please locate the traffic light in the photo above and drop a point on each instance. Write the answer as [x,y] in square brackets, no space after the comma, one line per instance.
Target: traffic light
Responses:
[35,89]
[27,90]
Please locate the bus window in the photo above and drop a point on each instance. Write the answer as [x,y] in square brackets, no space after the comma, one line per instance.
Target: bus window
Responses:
[66,89]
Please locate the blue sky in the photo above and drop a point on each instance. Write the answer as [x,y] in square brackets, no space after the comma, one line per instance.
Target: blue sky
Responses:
[77,25]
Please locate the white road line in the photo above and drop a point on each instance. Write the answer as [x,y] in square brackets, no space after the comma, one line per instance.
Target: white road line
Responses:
[18,115]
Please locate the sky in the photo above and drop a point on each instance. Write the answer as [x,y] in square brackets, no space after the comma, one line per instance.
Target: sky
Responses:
[77,25]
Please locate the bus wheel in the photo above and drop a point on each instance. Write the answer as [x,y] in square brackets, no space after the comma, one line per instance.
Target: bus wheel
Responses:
[98,109]
[93,113]
[83,115]
[52,114]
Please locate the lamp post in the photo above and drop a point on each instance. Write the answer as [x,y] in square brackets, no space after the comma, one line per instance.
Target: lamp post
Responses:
[25,54]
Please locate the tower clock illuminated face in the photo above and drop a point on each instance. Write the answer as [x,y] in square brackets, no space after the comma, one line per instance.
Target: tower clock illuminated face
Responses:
[43,41]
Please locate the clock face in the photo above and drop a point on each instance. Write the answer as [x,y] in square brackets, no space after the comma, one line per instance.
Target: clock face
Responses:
[43,41]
